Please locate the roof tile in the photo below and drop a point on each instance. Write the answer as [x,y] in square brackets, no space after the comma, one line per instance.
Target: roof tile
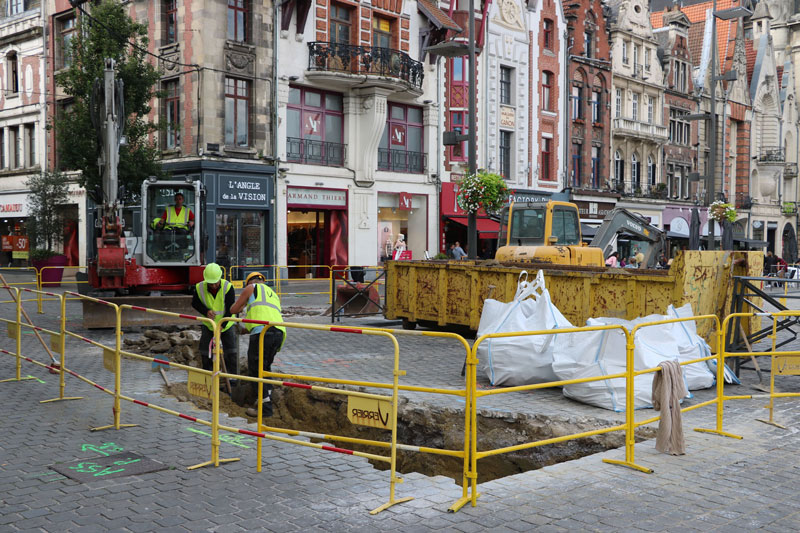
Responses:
[750,54]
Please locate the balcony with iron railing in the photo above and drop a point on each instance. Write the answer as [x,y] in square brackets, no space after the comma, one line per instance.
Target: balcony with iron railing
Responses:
[402,161]
[771,154]
[314,152]
[365,60]
[635,128]
[656,191]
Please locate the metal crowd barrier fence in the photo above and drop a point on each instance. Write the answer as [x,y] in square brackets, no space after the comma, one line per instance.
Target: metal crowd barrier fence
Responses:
[281,283]
[630,424]
[782,362]
[469,454]
[361,289]
[15,270]
[44,285]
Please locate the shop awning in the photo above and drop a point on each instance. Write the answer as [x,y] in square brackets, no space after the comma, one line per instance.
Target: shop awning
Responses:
[487,228]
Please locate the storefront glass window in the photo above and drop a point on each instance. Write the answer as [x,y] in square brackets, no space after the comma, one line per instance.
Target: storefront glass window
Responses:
[394,221]
[240,238]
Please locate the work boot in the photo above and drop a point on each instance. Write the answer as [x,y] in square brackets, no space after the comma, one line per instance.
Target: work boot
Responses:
[266,410]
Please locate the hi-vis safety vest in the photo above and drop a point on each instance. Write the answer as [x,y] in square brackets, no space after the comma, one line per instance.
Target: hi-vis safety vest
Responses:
[176,221]
[265,305]
[215,303]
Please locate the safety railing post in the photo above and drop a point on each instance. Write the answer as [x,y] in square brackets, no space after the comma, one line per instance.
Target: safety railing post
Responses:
[215,398]
[630,438]
[18,343]
[39,288]
[62,344]
[330,292]
[117,367]
[473,426]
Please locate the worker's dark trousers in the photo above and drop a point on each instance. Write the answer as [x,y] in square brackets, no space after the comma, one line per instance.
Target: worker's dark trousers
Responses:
[229,352]
[272,343]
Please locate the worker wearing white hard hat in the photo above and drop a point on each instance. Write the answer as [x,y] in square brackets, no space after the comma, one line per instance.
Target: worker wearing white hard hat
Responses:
[213,298]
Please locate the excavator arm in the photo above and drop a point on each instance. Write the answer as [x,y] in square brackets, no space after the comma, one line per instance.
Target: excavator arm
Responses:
[622,221]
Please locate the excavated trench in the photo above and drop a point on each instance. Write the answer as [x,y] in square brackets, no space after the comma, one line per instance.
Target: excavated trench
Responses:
[434,427]
[418,424]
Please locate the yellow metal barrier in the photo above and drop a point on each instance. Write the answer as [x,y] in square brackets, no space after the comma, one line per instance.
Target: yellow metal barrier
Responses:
[5,282]
[786,362]
[43,285]
[278,280]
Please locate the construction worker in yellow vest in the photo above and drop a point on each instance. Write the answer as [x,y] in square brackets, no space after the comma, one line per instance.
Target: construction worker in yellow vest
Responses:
[178,216]
[213,298]
[261,303]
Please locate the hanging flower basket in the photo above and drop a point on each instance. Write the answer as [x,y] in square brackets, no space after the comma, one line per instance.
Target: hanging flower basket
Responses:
[483,190]
[721,211]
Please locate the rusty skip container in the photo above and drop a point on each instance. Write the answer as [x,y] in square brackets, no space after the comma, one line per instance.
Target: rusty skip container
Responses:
[449,293]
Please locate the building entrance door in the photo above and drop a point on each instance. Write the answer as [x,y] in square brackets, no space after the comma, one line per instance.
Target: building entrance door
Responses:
[240,240]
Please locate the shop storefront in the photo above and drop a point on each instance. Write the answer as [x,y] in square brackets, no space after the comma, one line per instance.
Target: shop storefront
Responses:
[239,217]
[15,243]
[402,214]
[316,230]
[454,225]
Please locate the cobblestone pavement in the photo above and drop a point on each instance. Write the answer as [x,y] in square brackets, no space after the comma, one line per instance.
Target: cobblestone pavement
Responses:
[720,484]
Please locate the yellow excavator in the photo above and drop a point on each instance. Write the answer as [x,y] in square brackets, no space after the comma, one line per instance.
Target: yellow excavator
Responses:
[551,233]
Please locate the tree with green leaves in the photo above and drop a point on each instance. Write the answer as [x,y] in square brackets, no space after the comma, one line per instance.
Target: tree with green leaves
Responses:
[45,224]
[108,33]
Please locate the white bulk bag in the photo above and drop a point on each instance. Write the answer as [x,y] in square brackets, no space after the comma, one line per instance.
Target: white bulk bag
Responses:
[691,346]
[520,360]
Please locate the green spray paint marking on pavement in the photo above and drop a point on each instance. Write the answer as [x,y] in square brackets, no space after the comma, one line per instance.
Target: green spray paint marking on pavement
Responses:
[107,448]
[236,440]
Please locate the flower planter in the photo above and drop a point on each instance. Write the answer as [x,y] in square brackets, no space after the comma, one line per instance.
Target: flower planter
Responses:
[51,276]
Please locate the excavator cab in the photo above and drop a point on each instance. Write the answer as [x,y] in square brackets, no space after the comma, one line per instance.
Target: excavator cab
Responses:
[172,234]
[544,233]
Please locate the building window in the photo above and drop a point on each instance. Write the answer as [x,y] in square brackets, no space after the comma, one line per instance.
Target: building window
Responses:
[595,167]
[576,165]
[13,147]
[596,116]
[635,106]
[238,20]
[315,127]
[15,7]
[635,57]
[66,29]
[401,146]
[340,24]
[548,34]
[30,145]
[505,85]
[619,171]
[172,116]
[636,174]
[381,32]
[505,154]
[170,21]
[651,109]
[651,171]
[547,155]
[679,127]
[618,104]
[459,124]
[2,148]
[577,102]
[13,73]
[624,52]
[588,44]
[547,86]
[237,112]
[647,59]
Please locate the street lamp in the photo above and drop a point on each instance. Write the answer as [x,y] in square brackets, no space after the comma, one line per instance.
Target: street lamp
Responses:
[725,14]
[458,49]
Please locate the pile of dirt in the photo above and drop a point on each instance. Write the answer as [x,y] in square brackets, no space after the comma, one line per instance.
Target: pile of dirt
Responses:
[175,344]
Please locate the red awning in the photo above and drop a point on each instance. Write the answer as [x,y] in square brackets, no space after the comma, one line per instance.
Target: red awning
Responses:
[487,228]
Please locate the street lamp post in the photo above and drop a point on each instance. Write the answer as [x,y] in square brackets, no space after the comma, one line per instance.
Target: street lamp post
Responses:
[459,49]
[725,14]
